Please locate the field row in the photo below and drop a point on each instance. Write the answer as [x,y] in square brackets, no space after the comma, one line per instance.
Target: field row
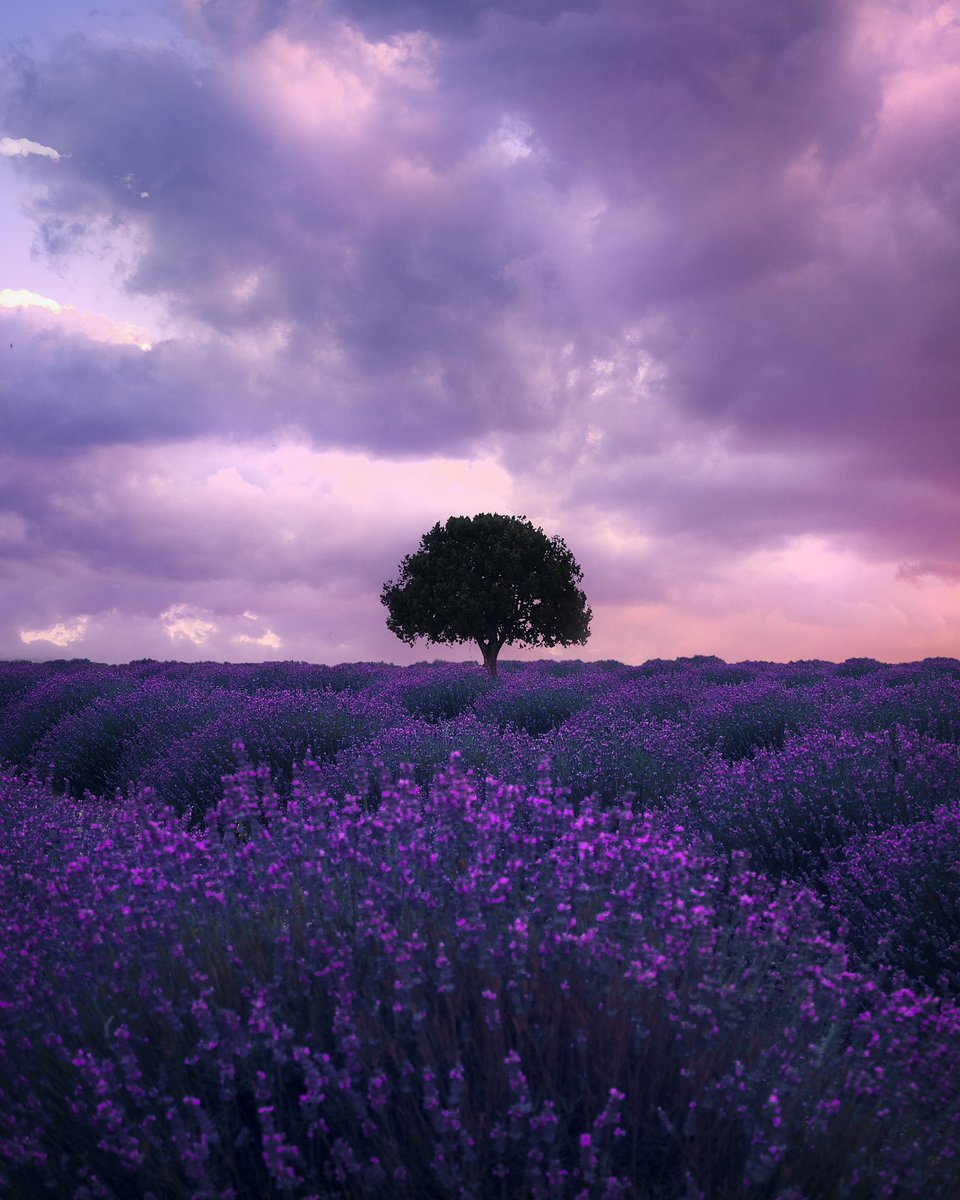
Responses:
[684,930]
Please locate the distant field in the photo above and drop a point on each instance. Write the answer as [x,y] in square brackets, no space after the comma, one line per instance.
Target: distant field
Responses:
[687,929]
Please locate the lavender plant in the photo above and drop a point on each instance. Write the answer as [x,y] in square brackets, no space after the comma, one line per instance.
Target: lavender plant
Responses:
[793,809]
[448,996]
[715,956]
[417,748]
[35,709]
[537,709]
[899,892]
[441,691]
[277,729]
[112,741]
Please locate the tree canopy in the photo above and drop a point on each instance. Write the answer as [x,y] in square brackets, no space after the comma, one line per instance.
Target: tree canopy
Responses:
[492,580]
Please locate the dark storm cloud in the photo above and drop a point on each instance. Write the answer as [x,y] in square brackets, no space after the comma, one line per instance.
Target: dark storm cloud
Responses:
[245,21]
[62,392]
[236,22]
[439,17]
[399,323]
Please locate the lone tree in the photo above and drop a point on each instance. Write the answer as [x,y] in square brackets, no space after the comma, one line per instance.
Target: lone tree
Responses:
[491,580]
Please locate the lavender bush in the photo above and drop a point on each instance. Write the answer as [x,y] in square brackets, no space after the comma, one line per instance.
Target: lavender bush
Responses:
[440,692]
[277,727]
[547,704]
[792,809]
[416,747]
[899,891]
[50,695]
[446,997]
[713,954]
[112,741]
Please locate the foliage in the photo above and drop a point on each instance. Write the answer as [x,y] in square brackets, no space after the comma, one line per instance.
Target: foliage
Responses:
[113,741]
[899,893]
[793,809]
[418,748]
[492,580]
[441,692]
[535,710]
[801,765]
[276,729]
[738,719]
[53,694]
[447,996]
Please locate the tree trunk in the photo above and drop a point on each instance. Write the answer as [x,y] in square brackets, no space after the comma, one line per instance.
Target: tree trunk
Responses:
[490,650]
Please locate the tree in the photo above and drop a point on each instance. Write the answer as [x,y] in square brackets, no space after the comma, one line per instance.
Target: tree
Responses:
[489,579]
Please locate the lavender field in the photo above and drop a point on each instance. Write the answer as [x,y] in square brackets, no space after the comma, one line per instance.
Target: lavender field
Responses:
[683,930]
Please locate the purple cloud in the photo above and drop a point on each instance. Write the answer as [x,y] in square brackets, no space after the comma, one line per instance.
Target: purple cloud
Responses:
[689,277]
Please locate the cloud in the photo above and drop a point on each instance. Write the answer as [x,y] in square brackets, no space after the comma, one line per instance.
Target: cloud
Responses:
[221,577]
[215,511]
[268,640]
[22,298]
[23,147]
[248,21]
[185,621]
[691,286]
[372,301]
[64,633]
[413,240]
[95,327]
[947,572]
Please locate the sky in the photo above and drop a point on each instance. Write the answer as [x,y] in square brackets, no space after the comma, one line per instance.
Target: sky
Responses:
[284,283]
